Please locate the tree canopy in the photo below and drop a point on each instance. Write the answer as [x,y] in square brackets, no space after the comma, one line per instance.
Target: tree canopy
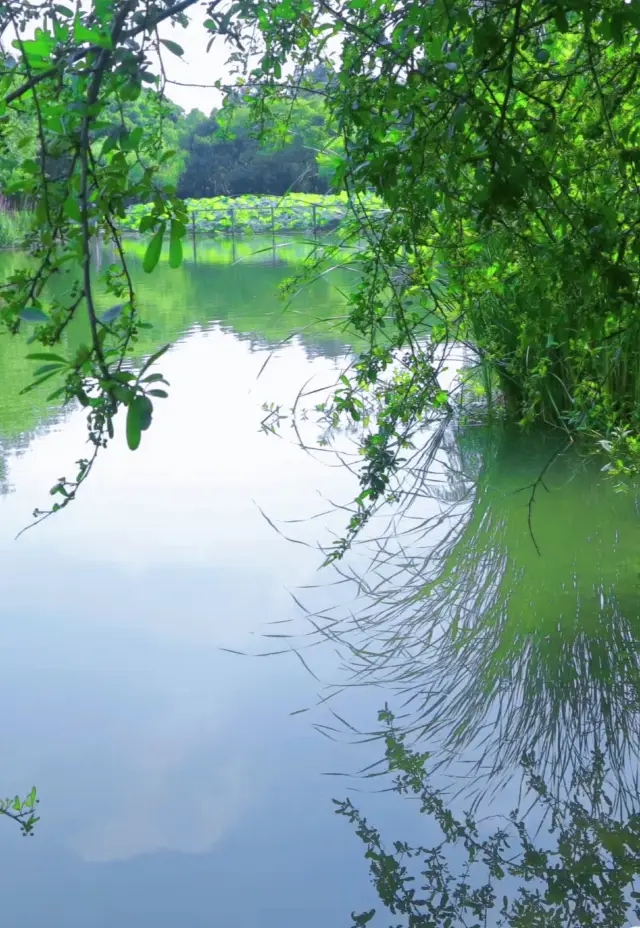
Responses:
[228,155]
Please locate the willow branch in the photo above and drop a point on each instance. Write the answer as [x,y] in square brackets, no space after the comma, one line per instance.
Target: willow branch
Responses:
[80,53]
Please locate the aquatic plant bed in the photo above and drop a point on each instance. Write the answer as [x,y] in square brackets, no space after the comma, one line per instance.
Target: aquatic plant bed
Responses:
[294,212]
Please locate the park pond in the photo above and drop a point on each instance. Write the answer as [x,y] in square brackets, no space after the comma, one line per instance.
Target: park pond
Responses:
[163,682]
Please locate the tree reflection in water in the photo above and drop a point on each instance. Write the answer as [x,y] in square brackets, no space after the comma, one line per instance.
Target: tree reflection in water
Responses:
[494,644]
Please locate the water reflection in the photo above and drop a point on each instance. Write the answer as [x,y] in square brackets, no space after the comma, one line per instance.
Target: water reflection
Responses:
[490,648]
[173,779]
[176,788]
[241,299]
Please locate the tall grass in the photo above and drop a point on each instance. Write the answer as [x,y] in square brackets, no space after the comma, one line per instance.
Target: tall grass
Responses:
[563,345]
[14,226]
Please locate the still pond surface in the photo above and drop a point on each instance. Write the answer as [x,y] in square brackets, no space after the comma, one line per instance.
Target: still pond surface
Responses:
[176,785]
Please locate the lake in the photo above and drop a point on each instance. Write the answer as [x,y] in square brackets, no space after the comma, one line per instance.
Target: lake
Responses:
[179,781]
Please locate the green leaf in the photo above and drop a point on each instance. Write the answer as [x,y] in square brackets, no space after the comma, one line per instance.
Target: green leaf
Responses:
[72,209]
[63,10]
[146,223]
[45,368]
[36,383]
[139,415]
[154,250]
[46,356]
[151,360]
[146,411]
[175,244]
[122,394]
[173,47]
[161,393]
[130,141]
[112,313]
[82,34]
[110,143]
[131,91]
[618,23]
[134,427]
[154,378]
[33,314]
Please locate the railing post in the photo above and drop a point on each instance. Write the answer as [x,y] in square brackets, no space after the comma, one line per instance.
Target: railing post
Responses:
[193,235]
[273,232]
[315,223]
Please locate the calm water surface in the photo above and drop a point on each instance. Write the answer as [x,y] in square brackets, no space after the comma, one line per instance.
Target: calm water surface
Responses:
[176,786]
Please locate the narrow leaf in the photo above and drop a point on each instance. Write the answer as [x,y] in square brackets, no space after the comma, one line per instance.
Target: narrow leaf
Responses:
[56,393]
[151,360]
[45,368]
[173,47]
[46,356]
[154,250]
[36,383]
[134,429]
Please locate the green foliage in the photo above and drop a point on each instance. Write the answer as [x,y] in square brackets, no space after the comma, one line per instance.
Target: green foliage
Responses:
[585,873]
[505,654]
[294,212]
[14,227]
[153,117]
[622,448]
[96,141]
[504,140]
[22,811]
[228,154]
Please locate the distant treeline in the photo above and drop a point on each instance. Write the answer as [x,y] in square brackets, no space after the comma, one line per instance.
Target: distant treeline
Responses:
[222,156]
[205,155]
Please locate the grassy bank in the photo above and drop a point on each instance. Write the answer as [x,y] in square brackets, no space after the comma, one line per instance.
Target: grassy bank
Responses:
[14,226]
[294,212]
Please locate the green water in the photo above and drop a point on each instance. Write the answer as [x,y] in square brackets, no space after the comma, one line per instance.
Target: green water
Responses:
[234,284]
[176,785]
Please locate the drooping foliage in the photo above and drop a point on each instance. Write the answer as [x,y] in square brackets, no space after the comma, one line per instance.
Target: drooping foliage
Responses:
[580,869]
[502,137]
